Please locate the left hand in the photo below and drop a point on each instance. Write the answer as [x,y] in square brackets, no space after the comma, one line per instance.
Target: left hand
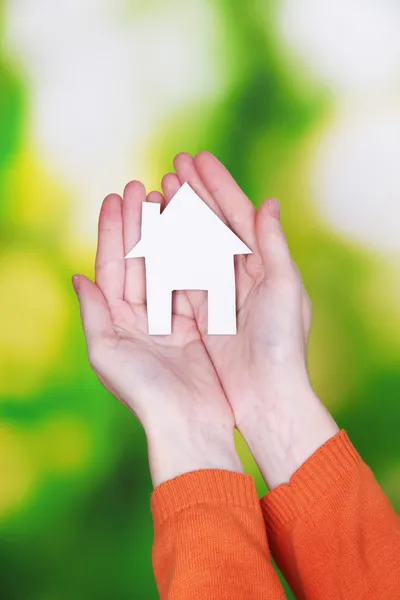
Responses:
[168,382]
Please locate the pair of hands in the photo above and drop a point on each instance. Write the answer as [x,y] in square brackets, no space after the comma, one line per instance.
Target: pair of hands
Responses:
[189,389]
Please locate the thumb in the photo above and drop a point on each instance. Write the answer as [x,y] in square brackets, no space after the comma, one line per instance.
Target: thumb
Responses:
[271,239]
[95,314]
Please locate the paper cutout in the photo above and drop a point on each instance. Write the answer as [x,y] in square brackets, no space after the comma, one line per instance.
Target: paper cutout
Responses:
[187,247]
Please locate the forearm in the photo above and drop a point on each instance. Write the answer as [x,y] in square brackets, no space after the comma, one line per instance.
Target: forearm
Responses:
[177,448]
[285,424]
[332,531]
[210,540]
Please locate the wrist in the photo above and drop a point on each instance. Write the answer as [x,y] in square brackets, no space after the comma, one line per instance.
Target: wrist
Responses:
[173,453]
[287,423]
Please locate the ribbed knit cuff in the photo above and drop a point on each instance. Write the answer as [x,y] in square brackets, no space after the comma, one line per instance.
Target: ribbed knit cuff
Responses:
[211,486]
[330,465]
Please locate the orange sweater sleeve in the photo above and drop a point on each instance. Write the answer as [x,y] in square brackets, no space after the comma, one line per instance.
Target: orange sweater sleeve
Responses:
[210,541]
[332,530]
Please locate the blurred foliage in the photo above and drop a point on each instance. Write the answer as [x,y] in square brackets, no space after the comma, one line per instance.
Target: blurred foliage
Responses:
[75,520]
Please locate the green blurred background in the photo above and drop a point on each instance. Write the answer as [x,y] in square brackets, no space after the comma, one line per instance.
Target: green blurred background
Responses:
[300,99]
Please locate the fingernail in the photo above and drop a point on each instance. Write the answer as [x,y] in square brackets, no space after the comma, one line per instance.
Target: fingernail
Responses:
[75,282]
[274,208]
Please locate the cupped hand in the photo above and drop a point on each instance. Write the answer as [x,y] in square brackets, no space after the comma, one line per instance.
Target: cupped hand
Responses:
[168,382]
[262,369]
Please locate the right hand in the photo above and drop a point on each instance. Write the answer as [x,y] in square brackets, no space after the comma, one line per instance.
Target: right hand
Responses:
[262,369]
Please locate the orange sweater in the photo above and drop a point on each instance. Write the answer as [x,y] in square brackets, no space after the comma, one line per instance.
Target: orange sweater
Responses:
[331,531]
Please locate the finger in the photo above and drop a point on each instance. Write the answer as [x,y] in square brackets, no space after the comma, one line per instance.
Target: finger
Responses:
[170,184]
[233,202]
[307,314]
[95,314]
[271,240]
[134,196]
[110,262]
[157,198]
[187,172]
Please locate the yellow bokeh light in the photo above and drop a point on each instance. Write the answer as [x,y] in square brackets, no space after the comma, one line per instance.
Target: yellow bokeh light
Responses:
[39,203]
[34,313]
[70,443]
[379,300]
[329,368]
[25,459]
[17,472]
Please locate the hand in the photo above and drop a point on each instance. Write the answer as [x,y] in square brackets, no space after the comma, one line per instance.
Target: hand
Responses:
[263,369]
[168,382]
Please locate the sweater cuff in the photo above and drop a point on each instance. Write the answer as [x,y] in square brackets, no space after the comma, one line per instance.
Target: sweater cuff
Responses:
[332,464]
[206,486]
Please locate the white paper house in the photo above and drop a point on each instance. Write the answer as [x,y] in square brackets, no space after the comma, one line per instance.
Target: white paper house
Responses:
[187,247]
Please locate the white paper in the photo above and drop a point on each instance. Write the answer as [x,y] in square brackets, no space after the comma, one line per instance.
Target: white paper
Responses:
[187,247]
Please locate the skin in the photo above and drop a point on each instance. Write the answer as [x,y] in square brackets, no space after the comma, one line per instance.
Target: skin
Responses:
[189,390]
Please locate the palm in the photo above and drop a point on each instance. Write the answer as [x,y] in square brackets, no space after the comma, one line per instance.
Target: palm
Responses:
[145,372]
[266,314]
